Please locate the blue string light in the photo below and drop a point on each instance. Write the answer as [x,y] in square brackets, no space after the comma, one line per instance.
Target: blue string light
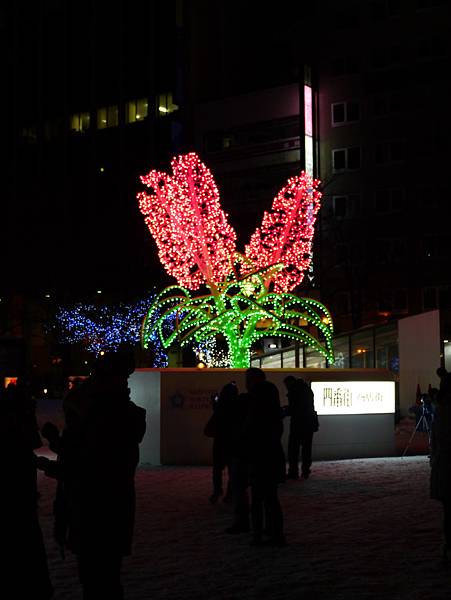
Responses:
[104,328]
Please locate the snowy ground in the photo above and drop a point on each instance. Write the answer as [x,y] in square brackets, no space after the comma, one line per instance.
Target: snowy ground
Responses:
[358,529]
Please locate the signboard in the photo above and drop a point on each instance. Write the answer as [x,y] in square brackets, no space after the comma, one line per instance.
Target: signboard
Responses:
[308,130]
[354,397]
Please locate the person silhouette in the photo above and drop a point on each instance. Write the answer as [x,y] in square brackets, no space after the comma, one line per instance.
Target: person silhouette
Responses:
[99,456]
[24,557]
[441,459]
[303,424]
[239,451]
[223,408]
[266,462]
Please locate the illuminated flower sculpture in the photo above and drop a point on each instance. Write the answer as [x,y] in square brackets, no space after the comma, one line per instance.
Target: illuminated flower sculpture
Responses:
[248,295]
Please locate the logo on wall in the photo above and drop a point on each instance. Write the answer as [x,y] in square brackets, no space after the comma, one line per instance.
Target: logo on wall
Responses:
[177,400]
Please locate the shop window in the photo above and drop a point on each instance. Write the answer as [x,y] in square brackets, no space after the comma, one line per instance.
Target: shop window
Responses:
[341,353]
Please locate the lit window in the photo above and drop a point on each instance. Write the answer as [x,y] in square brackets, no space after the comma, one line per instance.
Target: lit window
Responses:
[29,135]
[136,110]
[108,116]
[80,122]
[165,104]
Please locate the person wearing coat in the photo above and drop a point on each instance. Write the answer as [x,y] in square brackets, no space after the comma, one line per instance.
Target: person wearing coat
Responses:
[220,428]
[264,430]
[303,424]
[441,459]
[25,572]
[97,462]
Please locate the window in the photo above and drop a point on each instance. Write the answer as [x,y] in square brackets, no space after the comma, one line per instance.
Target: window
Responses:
[444,298]
[29,135]
[387,104]
[338,113]
[79,122]
[165,104]
[289,359]
[429,49]
[436,297]
[341,353]
[345,65]
[342,303]
[435,246]
[342,253]
[136,110]
[345,112]
[427,4]
[400,299]
[389,152]
[339,160]
[108,117]
[386,57]
[346,159]
[390,250]
[314,360]
[430,298]
[387,347]
[362,350]
[389,200]
[52,130]
[340,206]
[383,9]
[272,361]
[346,205]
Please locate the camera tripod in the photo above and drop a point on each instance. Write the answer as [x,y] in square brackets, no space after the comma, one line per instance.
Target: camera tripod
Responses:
[427,427]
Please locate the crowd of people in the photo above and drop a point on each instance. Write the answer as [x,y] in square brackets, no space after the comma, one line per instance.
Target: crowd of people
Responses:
[247,429]
[98,453]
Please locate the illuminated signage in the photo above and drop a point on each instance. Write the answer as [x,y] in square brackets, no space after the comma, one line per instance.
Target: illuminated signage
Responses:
[308,129]
[9,381]
[354,397]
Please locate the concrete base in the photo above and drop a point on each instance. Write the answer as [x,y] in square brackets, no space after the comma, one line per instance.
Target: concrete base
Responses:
[178,405]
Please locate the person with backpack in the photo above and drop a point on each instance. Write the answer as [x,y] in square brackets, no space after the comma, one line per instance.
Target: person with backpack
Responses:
[303,424]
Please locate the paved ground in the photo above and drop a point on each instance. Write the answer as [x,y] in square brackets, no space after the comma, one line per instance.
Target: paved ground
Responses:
[359,529]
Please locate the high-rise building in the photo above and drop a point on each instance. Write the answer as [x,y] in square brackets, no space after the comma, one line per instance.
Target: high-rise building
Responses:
[93,94]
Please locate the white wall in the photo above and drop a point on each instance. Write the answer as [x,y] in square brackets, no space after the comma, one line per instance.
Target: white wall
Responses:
[145,392]
[419,355]
[178,404]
